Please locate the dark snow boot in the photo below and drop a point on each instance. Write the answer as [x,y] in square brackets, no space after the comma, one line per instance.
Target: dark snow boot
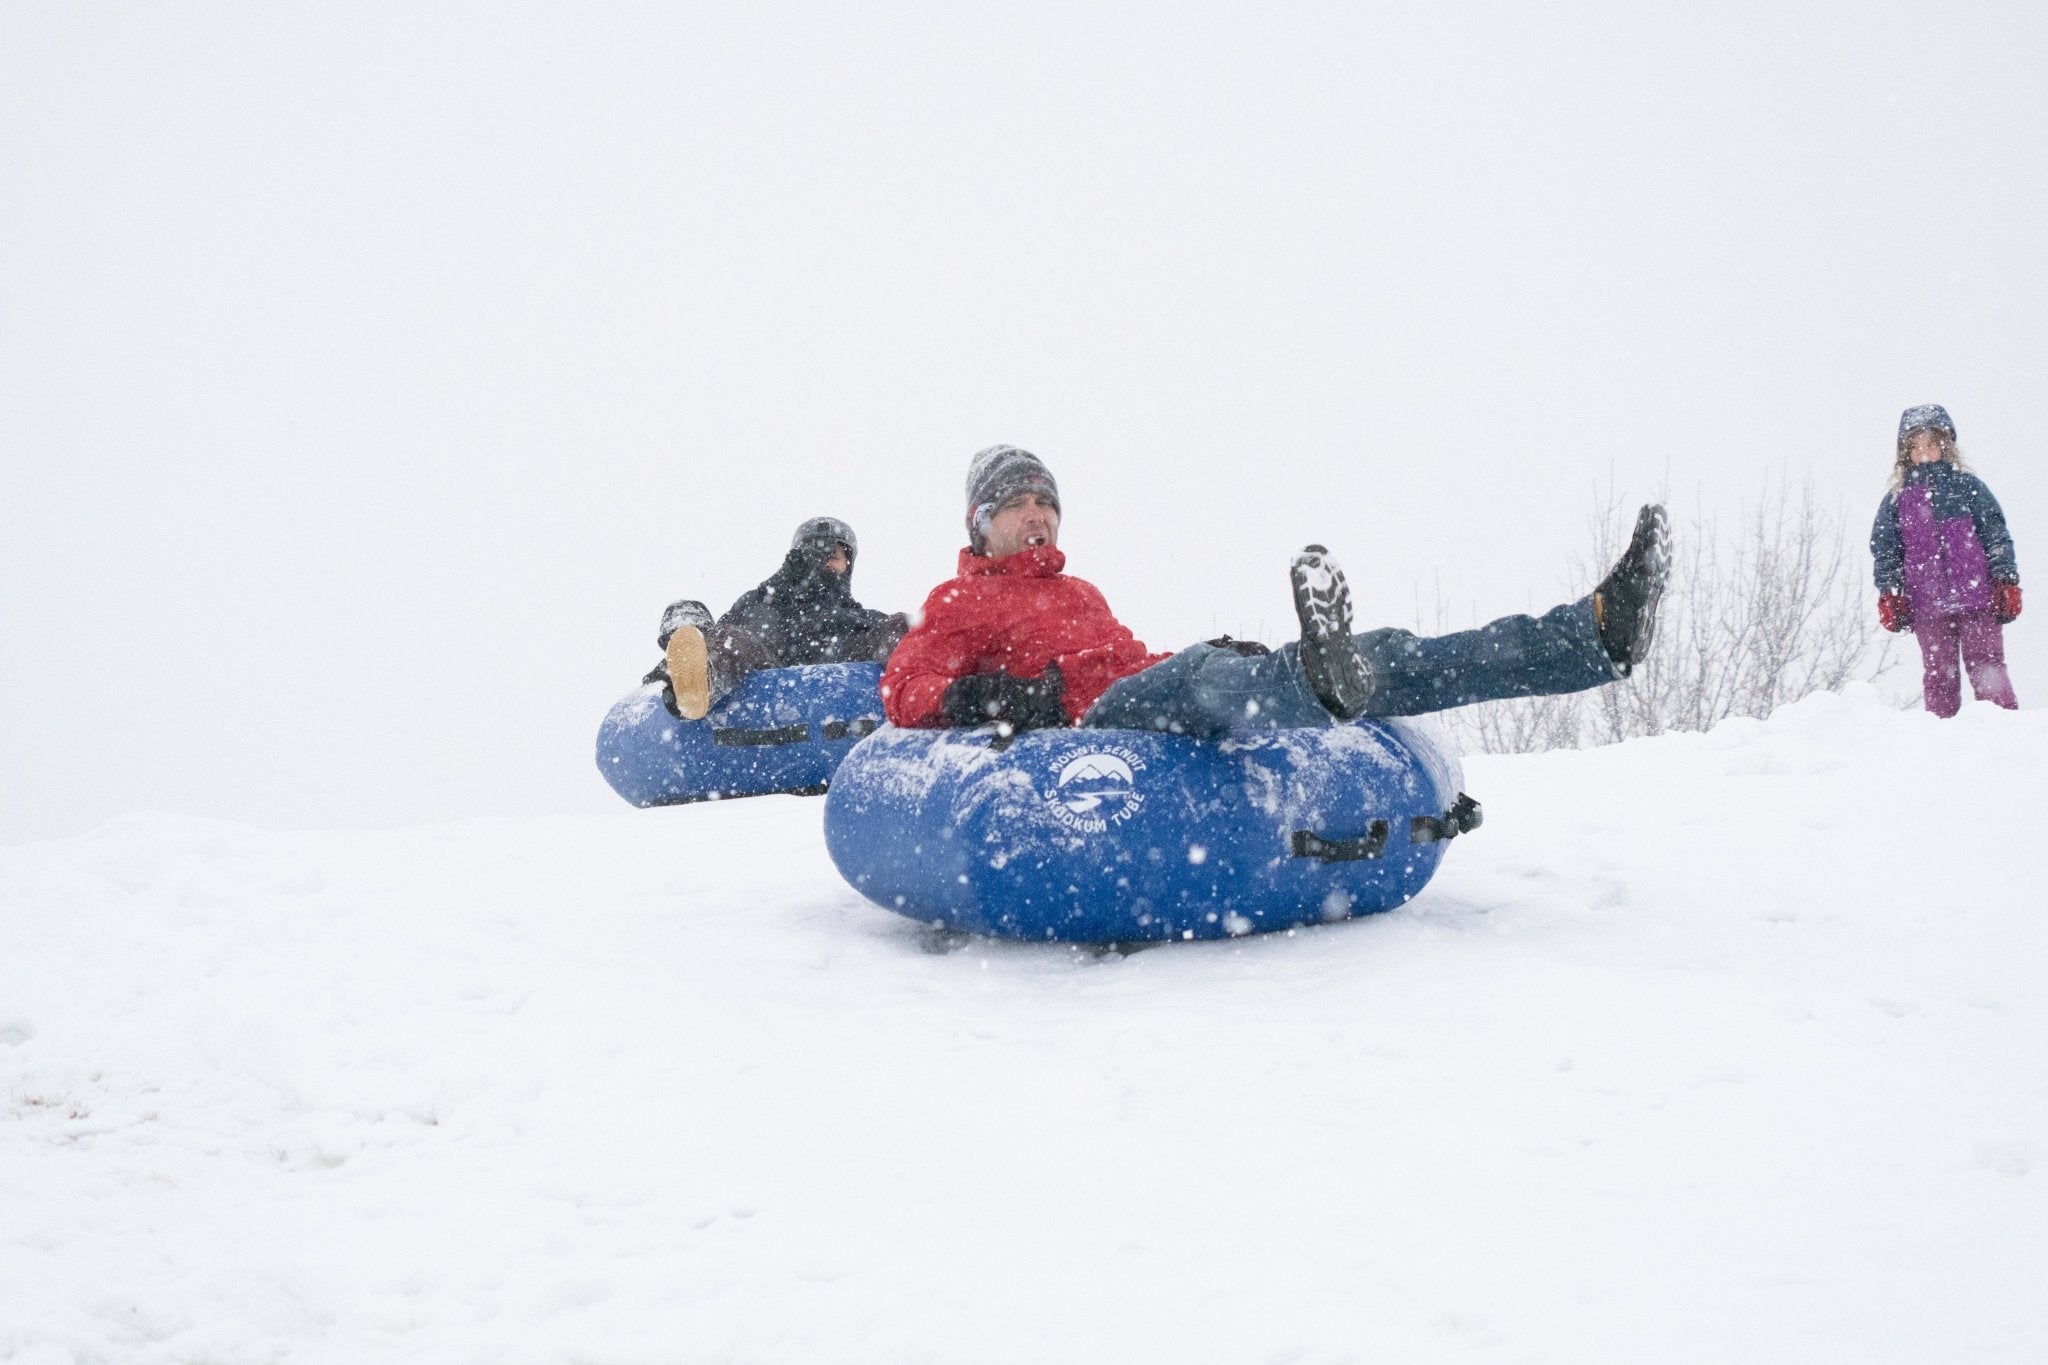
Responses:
[1625,603]
[1337,673]
[677,615]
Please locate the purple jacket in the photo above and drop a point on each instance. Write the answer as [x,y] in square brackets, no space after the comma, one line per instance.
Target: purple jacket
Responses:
[1941,539]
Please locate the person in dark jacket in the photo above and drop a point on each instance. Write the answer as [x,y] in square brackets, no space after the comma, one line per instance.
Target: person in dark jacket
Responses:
[1945,566]
[804,613]
[1013,640]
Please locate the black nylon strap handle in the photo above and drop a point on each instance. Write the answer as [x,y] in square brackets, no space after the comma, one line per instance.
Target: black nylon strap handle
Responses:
[1463,817]
[1308,844]
[788,734]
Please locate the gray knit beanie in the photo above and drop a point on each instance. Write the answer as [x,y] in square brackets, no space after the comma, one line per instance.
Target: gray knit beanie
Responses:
[996,475]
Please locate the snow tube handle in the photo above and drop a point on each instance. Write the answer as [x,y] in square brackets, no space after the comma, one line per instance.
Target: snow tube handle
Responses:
[736,737]
[1463,817]
[1309,844]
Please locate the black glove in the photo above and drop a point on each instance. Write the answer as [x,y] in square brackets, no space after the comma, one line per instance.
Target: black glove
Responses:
[1250,649]
[1020,703]
[803,559]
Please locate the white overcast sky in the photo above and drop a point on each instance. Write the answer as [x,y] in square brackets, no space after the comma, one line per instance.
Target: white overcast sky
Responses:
[371,375]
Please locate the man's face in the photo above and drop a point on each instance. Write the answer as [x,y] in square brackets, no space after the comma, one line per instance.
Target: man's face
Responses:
[838,562]
[1021,522]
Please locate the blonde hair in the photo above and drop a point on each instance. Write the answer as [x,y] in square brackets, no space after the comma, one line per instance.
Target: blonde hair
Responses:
[1950,454]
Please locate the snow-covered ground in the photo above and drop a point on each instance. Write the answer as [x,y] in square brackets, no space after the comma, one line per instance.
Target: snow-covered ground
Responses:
[1715,1048]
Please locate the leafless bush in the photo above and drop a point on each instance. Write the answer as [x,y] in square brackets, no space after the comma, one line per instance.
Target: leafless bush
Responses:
[1525,726]
[1754,618]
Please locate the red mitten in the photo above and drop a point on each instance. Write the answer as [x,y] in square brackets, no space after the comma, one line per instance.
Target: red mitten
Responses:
[1892,612]
[2008,601]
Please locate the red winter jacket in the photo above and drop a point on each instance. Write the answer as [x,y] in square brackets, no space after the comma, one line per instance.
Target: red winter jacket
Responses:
[1015,614]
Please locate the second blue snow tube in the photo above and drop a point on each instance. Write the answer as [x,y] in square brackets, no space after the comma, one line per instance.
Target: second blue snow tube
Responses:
[1124,835]
[780,730]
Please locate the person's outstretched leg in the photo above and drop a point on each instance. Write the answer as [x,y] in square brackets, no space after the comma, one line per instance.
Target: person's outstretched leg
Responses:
[1588,643]
[1204,690]
[735,652]
[706,665]
[687,612]
[1208,690]
[1516,656]
[1983,649]
[1941,683]
[1327,675]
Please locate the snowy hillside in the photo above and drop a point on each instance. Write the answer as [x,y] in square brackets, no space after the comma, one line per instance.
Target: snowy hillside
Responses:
[1705,1048]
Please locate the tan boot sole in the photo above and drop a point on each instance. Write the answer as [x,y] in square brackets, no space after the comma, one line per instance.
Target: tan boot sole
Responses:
[689,673]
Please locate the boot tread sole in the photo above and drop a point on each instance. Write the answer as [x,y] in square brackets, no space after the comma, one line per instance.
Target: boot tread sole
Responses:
[689,673]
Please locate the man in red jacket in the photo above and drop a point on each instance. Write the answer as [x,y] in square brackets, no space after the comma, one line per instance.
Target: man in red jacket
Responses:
[1013,640]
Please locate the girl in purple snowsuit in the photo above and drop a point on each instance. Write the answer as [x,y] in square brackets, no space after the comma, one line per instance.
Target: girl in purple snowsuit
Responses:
[1945,566]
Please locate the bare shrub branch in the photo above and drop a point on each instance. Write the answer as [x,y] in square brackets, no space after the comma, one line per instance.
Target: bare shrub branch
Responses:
[1765,614]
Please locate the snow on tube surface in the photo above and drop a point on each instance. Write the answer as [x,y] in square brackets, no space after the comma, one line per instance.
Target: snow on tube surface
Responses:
[780,730]
[1124,835]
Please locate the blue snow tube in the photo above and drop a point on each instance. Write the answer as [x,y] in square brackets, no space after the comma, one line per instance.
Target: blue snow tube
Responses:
[1124,835]
[780,730]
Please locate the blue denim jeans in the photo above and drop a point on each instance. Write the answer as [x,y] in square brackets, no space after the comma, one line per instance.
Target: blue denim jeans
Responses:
[1204,690]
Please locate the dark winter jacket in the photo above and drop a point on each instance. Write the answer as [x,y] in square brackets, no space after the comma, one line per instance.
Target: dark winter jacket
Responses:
[1015,615]
[806,613]
[1941,540]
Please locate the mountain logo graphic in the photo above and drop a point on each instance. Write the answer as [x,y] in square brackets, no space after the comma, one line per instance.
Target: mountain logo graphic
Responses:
[1091,779]
[1097,788]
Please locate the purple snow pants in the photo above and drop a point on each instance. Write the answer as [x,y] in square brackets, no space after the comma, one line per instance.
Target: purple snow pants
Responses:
[1981,642]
